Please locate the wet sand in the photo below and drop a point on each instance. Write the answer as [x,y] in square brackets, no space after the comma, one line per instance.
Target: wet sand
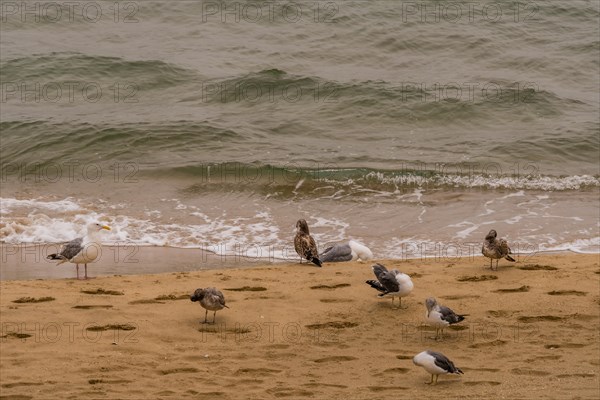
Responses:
[297,331]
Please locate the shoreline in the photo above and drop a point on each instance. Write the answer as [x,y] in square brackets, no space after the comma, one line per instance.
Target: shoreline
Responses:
[298,331]
[28,262]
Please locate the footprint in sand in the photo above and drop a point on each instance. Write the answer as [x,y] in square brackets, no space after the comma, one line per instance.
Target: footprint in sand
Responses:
[33,300]
[330,287]
[337,300]
[398,370]
[537,267]
[182,370]
[576,376]
[16,397]
[567,293]
[91,307]
[289,392]
[493,343]
[258,371]
[500,313]
[146,301]
[333,325]
[335,359]
[15,335]
[172,297]
[478,383]
[480,369]
[526,371]
[521,289]
[248,289]
[539,318]
[385,388]
[460,297]
[319,385]
[565,345]
[475,278]
[103,291]
[104,381]
[114,327]
[17,384]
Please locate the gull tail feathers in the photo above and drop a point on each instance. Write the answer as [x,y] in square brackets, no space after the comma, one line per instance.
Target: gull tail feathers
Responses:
[376,285]
[61,259]
[316,261]
[509,258]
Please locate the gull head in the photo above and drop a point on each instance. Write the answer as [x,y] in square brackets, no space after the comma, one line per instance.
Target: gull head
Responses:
[430,303]
[491,235]
[302,226]
[97,227]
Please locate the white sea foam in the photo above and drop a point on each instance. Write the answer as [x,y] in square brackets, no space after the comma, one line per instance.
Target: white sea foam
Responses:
[7,205]
[547,183]
[259,235]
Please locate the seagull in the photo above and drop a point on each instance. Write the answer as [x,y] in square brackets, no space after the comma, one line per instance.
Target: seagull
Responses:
[350,251]
[210,299]
[82,250]
[496,249]
[305,244]
[391,283]
[440,316]
[436,364]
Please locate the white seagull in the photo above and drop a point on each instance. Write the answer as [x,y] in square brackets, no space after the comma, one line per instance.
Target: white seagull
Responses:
[83,250]
[210,299]
[436,364]
[391,283]
[440,316]
[350,251]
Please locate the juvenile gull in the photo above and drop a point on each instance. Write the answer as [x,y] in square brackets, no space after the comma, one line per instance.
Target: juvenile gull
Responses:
[305,245]
[495,248]
[440,316]
[210,299]
[82,250]
[391,283]
[350,251]
[436,364]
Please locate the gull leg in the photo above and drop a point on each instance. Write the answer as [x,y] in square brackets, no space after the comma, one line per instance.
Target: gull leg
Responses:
[77,269]
[491,266]
[214,316]
[205,317]
[436,378]
[400,300]
[85,277]
[431,381]
[497,265]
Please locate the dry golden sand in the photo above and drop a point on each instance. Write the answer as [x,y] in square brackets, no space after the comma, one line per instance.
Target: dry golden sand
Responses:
[296,331]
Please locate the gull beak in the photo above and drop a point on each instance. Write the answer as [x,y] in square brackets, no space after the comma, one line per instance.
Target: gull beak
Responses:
[106,227]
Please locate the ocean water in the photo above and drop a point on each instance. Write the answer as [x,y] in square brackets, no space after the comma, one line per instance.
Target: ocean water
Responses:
[413,127]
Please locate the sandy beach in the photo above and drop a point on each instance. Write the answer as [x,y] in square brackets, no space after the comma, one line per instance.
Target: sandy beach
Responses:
[296,331]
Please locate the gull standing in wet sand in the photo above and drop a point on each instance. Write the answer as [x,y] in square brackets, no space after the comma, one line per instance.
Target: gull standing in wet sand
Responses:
[83,250]
[305,245]
[210,299]
[496,249]
[391,283]
[436,364]
[440,316]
